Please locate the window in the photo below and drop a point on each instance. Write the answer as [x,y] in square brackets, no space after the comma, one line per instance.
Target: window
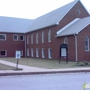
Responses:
[86,43]
[21,52]
[27,39]
[22,38]
[49,36]
[43,53]
[36,37]
[15,37]
[3,53]
[78,12]
[2,36]
[32,39]
[43,37]
[37,54]
[65,40]
[27,52]
[32,53]
[49,53]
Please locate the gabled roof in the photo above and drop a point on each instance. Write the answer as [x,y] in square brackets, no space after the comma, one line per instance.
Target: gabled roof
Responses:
[74,28]
[14,25]
[52,18]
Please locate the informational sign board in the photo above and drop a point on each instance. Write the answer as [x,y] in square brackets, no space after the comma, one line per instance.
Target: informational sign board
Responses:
[18,54]
[63,52]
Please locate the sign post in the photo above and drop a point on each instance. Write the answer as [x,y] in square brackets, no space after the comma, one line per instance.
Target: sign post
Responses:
[18,56]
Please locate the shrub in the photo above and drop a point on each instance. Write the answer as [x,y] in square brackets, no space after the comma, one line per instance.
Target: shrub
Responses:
[86,62]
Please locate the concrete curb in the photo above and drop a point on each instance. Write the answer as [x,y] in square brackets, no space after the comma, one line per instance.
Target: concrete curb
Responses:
[41,72]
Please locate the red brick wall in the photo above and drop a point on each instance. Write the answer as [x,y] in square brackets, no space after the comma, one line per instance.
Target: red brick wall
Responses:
[11,46]
[55,44]
[82,54]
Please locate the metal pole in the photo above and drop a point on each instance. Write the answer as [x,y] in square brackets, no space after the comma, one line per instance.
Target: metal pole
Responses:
[17,64]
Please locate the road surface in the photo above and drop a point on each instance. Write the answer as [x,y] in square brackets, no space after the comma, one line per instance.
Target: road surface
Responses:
[63,81]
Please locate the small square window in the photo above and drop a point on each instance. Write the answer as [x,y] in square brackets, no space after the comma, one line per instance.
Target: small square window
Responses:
[3,53]
[22,38]
[2,36]
[15,37]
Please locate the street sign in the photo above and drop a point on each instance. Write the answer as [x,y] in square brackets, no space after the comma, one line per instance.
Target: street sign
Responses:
[18,54]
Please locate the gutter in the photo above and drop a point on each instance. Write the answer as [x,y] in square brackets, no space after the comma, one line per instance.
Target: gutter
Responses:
[76,50]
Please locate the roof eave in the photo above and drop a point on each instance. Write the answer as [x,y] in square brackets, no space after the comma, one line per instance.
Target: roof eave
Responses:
[42,27]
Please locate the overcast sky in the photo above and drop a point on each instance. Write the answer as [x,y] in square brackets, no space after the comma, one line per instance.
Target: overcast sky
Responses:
[32,8]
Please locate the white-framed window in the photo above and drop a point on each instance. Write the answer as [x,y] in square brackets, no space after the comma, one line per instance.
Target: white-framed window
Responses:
[65,40]
[43,53]
[32,39]
[27,39]
[21,37]
[2,36]
[86,43]
[42,36]
[15,37]
[3,53]
[49,53]
[37,52]
[32,53]
[36,37]
[49,35]
[27,52]
[21,52]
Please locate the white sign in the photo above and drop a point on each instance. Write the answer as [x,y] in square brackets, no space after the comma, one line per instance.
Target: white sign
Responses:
[18,54]
[63,52]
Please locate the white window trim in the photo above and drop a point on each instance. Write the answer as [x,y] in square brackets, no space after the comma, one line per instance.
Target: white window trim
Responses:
[27,39]
[27,52]
[32,52]
[32,39]
[21,52]
[43,53]
[43,37]
[88,43]
[49,54]
[65,40]
[37,52]
[23,38]
[15,35]
[49,35]
[5,52]
[36,37]
[5,37]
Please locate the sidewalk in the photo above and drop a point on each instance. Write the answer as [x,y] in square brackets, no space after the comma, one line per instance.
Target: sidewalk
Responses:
[27,70]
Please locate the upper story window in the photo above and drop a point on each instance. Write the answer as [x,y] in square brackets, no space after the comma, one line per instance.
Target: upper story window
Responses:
[21,37]
[49,36]
[43,37]
[15,37]
[2,36]
[27,39]
[36,37]
[32,39]
[65,40]
[86,43]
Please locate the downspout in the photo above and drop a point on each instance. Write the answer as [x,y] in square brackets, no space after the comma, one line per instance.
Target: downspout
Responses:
[76,50]
[25,45]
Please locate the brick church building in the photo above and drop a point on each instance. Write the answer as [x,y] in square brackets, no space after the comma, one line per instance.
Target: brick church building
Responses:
[42,37]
